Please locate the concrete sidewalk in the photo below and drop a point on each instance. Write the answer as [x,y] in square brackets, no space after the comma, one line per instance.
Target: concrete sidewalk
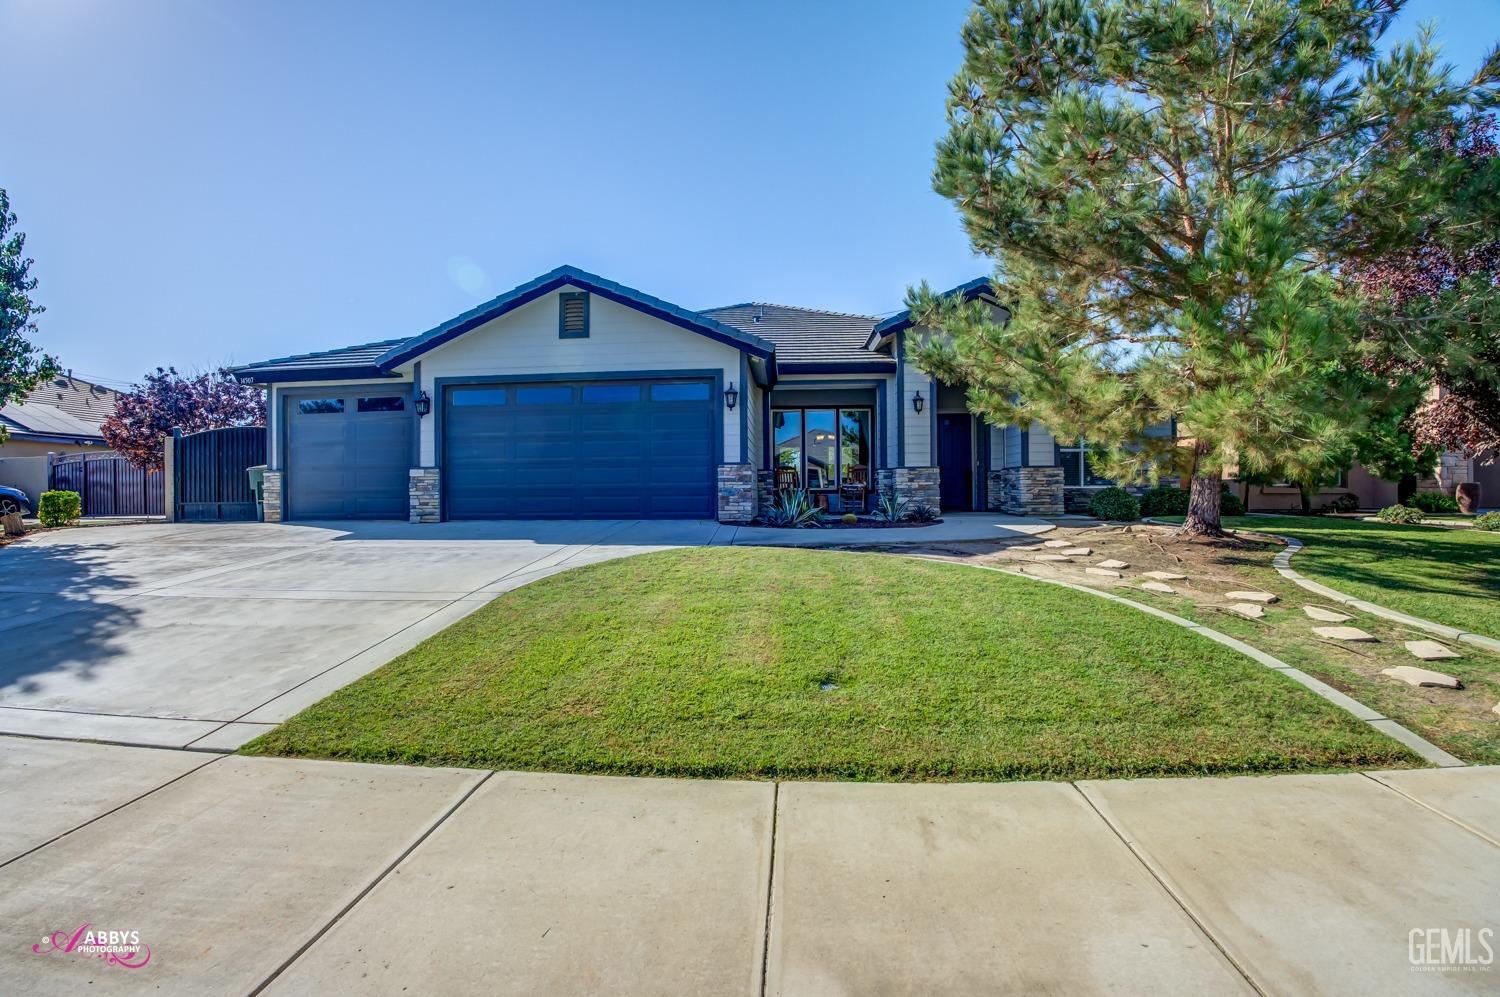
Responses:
[298,877]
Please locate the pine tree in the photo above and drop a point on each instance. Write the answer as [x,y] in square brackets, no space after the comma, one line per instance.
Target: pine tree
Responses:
[22,366]
[1168,188]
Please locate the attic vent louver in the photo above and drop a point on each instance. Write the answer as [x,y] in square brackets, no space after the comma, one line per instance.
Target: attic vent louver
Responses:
[573,315]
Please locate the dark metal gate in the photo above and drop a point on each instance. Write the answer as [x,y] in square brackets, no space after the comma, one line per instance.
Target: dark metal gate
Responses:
[208,473]
[109,485]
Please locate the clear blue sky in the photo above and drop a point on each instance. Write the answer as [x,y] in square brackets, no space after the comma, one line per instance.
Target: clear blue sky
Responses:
[213,182]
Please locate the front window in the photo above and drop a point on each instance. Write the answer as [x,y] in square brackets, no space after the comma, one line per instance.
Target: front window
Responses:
[1074,460]
[822,448]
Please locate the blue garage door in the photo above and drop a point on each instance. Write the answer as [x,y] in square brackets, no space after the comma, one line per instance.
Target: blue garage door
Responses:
[585,450]
[349,454]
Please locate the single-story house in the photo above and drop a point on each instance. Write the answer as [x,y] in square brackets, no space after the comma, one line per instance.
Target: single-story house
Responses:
[61,416]
[573,396]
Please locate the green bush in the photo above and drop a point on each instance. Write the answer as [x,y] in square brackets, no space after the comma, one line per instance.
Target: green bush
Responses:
[1433,502]
[1488,521]
[59,508]
[1344,503]
[1114,503]
[1230,504]
[1399,514]
[1165,500]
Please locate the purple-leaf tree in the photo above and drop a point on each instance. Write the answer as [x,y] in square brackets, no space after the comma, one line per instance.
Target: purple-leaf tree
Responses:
[167,400]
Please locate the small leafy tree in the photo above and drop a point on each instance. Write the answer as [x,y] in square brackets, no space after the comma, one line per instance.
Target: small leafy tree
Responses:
[1167,188]
[22,366]
[167,400]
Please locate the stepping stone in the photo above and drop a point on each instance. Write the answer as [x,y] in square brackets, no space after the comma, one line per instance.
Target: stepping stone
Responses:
[1495,708]
[1166,576]
[1051,557]
[1345,633]
[1158,587]
[1430,650]
[1077,551]
[1265,598]
[1326,615]
[1104,572]
[1112,563]
[1412,675]
[1249,609]
[1057,543]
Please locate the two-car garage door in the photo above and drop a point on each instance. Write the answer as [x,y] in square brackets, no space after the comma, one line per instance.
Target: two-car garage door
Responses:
[579,450]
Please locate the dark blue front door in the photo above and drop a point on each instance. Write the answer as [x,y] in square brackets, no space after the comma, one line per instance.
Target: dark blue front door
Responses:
[956,462]
[580,450]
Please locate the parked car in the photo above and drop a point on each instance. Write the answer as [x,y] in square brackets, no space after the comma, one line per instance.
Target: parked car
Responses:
[14,500]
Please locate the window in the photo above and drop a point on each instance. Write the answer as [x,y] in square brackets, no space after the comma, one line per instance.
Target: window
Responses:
[610,394]
[822,448]
[573,315]
[1077,473]
[544,396]
[320,406]
[389,403]
[680,391]
[478,396]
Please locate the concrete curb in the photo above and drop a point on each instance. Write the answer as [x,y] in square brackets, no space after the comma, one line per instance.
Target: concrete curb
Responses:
[1429,751]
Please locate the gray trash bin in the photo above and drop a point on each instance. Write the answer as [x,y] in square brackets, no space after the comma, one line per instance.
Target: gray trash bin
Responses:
[257,480]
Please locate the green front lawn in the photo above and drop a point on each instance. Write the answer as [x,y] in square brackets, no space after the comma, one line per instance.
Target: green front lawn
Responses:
[765,662]
[1444,575]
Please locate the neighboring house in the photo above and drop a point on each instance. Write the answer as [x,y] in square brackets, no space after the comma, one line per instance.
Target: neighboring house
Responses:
[572,396]
[61,416]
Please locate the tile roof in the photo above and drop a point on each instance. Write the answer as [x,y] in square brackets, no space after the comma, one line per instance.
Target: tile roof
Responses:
[63,406]
[360,357]
[805,335]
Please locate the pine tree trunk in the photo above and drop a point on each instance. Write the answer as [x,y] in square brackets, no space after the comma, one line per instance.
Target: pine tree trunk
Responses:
[1306,499]
[1203,515]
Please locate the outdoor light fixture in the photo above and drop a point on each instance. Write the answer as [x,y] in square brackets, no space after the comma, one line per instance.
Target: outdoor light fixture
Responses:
[731,396]
[422,403]
[918,402]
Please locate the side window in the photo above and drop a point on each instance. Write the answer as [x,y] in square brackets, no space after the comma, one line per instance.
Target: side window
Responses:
[389,403]
[573,315]
[320,406]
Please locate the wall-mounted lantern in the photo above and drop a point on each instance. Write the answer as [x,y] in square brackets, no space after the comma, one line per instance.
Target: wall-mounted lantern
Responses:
[918,402]
[731,396]
[422,403]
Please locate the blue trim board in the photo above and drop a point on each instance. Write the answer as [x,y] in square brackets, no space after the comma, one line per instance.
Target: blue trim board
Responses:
[968,291]
[788,367]
[901,399]
[765,430]
[361,373]
[932,424]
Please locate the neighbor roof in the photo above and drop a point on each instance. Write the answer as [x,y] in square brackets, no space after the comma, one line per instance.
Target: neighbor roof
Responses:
[63,408]
[807,339]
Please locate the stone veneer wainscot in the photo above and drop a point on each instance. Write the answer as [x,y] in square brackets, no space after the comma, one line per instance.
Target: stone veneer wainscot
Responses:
[737,493]
[425,499]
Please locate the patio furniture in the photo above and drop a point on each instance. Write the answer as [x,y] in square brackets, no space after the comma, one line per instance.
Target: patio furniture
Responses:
[855,489]
[786,479]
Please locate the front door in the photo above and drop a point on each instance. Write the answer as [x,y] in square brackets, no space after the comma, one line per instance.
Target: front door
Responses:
[956,461]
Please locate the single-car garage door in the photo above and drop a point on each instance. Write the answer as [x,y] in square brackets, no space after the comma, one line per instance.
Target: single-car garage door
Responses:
[349,454]
[582,450]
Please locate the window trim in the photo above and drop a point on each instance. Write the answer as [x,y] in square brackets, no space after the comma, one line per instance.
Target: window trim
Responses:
[838,420]
[1082,449]
[563,298]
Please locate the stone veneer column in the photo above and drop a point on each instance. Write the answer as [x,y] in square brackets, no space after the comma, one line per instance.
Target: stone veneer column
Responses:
[737,493]
[270,494]
[765,489]
[914,485]
[422,491]
[1029,491]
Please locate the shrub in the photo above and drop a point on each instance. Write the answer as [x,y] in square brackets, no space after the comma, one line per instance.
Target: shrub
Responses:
[1488,521]
[1399,514]
[1165,500]
[922,513]
[1344,503]
[1230,504]
[59,508]
[794,509]
[888,510]
[1114,503]
[1433,502]
[849,518]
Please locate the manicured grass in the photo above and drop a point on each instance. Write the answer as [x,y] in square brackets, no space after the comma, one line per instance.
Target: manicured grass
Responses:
[1445,575]
[712,662]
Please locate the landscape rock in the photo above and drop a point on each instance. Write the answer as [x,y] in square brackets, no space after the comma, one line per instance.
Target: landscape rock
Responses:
[1112,563]
[1326,615]
[1077,551]
[1158,587]
[1412,675]
[1051,557]
[1265,598]
[1249,609]
[1166,576]
[12,525]
[1345,633]
[1057,543]
[1430,650]
[1104,571]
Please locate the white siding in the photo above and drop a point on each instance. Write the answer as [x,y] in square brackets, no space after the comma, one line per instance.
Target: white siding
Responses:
[620,338]
[918,426]
[1042,451]
[754,405]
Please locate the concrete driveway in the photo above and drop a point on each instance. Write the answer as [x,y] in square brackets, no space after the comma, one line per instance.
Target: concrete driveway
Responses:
[204,635]
[251,875]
